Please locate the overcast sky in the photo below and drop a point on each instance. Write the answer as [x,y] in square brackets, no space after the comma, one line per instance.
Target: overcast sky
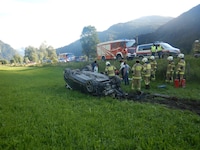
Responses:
[60,22]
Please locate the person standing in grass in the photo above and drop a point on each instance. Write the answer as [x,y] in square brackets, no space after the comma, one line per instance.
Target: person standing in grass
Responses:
[146,72]
[153,63]
[121,69]
[126,73]
[180,69]
[153,50]
[94,66]
[110,69]
[110,72]
[159,51]
[137,76]
[170,70]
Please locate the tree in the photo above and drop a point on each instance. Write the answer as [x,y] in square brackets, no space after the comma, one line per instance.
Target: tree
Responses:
[44,52]
[89,41]
[31,53]
[17,58]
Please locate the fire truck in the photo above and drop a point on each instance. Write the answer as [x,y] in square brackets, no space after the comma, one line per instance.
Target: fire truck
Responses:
[116,49]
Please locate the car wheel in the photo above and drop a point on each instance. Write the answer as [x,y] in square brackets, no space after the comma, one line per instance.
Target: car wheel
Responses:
[103,58]
[89,86]
[119,57]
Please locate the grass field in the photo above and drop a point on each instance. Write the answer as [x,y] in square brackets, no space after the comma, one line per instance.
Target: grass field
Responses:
[37,112]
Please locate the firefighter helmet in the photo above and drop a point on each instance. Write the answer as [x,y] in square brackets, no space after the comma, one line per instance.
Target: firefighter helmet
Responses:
[170,58]
[181,55]
[144,60]
[152,57]
[107,63]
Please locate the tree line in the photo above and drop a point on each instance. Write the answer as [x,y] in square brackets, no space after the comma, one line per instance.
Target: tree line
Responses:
[88,39]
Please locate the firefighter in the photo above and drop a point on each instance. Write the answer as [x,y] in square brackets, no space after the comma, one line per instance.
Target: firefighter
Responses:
[137,76]
[110,72]
[146,72]
[180,69]
[153,50]
[159,51]
[110,69]
[153,63]
[170,70]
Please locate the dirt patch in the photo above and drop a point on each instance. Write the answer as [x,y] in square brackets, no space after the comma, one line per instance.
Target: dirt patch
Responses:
[171,102]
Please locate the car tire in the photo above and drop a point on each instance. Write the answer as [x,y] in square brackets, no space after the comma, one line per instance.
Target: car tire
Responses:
[119,57]
[89,86]
[103,58]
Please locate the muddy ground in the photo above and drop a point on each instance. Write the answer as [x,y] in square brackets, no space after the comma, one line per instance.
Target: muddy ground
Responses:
[168,101]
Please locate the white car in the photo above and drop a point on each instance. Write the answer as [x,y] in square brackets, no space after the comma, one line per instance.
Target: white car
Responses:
[62,60]
[70,57]
[145,50]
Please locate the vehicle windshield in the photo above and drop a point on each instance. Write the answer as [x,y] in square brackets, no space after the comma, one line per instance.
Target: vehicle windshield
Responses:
[130,43]
[166,45]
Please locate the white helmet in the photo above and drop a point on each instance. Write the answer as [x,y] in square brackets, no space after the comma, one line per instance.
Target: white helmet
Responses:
[144,60]
[170,58]
[181,55]
[152,57]
[107,63]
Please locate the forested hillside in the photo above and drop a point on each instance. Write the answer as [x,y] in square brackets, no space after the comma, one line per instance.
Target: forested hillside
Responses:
[180,32]
[6,51]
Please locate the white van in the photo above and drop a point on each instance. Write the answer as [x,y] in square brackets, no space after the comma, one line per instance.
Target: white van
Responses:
[144,50]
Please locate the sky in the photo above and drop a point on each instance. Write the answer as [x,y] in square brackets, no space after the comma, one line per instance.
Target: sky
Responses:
[60,22]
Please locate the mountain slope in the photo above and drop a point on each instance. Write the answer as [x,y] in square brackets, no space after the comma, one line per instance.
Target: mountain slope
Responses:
[180,32]
[126,30]
[6,51]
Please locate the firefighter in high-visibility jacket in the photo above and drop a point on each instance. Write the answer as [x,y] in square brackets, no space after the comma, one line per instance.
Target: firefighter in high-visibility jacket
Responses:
[153,63]
[153,50]
[110,72]
[170,70]
[180,69]
[159,51]
[146,72]
[137,76]
[110,69]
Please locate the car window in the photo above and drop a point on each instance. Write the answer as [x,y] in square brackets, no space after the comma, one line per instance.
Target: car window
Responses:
[144,47]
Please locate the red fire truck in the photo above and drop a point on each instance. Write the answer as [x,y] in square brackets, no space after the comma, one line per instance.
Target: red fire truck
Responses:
[116,49]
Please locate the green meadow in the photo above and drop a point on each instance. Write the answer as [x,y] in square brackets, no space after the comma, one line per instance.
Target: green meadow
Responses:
[37,112]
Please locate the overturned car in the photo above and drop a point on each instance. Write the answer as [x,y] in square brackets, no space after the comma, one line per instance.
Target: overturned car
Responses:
[93,83]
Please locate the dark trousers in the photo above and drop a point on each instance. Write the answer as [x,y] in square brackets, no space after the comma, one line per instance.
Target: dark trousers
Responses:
[159,54]
[126,81]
